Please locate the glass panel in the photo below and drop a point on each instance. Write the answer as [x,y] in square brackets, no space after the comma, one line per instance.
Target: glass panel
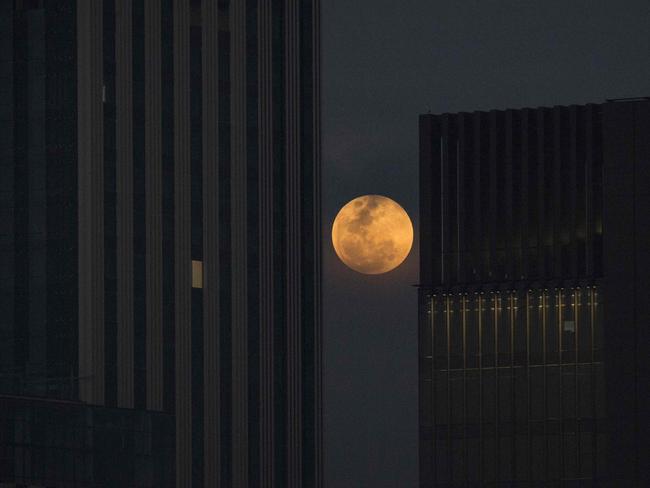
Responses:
[489,459]
[569,455]
[473,396]
[440,333]
[521,457]
[425,369]
[426,468]
[537,392]
[489,396]
[568,326]
[520,330]
[505,395]
[441,398]
[506,463]
[473,460]
[442,462]
[535,304]
[425,328]
[521,396]
[487,330]
[586,454]
[426,405]
[599,381]
[472,333]
[457,400]
[553,392]
[583,328]
[458,465]
[554,452]
[551,311]
[197,274]
[503,315]
[455,331]
[569,391]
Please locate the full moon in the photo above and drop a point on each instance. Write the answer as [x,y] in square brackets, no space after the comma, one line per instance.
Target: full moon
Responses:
[372,234]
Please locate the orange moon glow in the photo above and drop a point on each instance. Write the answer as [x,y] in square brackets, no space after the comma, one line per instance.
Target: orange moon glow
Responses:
[372,234]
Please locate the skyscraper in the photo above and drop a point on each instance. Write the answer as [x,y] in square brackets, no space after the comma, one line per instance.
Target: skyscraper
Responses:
[161,223]
[532,309]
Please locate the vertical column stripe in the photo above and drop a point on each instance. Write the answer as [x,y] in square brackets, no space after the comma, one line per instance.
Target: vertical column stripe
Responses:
[478,191]
[239,244]
[492,223]
[110,204]
[642,258]
[573,191]
[293,243]
[541,196]
[182,265]
[168,244]
[426,211]
[266,229]
[139,205]
[124,201]
[589,200]
[461,198]
[525,195]
[90,194]
[508,238]
[318,414]
[445,220]
[558,199]
[211,390]
[8,119]
[153,202]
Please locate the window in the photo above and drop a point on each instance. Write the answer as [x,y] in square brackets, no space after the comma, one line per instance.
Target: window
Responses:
[569,326]
[197,274]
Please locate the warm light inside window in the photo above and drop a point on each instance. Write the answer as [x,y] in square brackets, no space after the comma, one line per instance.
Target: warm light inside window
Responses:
[197,274]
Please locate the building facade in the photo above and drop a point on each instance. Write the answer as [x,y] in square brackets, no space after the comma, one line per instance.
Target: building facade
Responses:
[48,442]
[532,369]
[161,223]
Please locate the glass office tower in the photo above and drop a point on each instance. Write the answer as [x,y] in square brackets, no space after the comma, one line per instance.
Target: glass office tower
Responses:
[531,371]
[160,253]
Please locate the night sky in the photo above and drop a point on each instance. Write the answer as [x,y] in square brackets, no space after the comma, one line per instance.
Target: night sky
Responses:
[385,62]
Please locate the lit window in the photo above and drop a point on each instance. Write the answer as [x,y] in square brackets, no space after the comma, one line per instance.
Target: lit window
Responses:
[197,274]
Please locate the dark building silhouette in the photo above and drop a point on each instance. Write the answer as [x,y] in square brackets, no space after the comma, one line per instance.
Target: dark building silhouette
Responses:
[535,264]
[160,241]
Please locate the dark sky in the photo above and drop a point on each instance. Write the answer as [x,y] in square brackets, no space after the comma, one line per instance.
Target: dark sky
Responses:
[385,62]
